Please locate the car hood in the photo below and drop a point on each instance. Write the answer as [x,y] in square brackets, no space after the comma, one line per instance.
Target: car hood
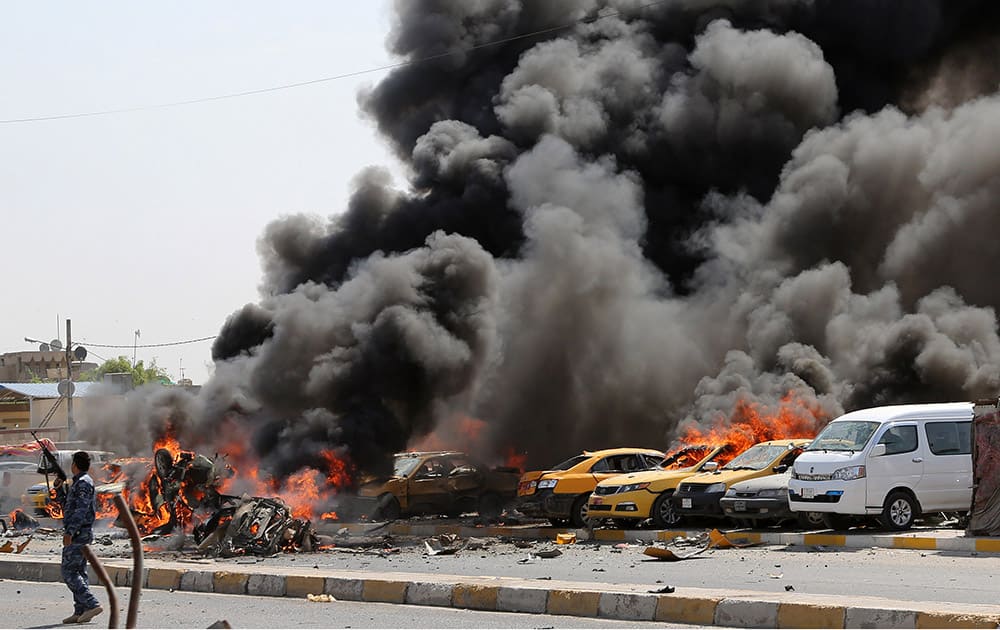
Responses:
[769,482]
[825,462]
[645,476]
[727,477]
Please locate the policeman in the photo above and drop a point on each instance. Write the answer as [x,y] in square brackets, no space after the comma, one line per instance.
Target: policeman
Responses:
[79,505]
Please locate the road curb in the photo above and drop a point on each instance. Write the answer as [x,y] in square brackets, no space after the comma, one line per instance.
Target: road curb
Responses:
[849,541]
[630,602]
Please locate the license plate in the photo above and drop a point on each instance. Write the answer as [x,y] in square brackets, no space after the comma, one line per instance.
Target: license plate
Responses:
[808,493]
[596,500]
[685,503]
[740,506]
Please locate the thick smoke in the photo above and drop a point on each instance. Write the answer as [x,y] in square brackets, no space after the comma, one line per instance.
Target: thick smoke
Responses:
[636,218]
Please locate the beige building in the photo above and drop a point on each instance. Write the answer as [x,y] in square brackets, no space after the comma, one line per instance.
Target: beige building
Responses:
[26,367]
[28,406]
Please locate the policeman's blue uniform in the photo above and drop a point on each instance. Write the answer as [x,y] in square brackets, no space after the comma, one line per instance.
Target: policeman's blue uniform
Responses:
[79,512]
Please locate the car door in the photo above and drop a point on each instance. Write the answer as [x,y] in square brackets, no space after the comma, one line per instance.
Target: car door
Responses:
[428,486]
[947,480]
[902,465]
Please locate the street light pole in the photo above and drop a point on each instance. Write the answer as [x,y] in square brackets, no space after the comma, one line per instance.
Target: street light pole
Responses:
[70,429]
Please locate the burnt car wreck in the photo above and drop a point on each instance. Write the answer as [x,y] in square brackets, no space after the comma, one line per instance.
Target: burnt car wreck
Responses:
[254,525]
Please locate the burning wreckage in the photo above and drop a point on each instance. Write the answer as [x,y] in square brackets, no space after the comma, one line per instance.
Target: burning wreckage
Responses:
[178,487]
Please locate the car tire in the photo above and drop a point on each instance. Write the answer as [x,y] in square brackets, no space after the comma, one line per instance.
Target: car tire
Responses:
[490,506]
[900,510]
[810,520]
[836,521]
[663,513]
[388,508]
[578,513]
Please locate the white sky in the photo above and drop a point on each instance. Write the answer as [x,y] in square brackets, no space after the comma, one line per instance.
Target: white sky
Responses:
[149,220]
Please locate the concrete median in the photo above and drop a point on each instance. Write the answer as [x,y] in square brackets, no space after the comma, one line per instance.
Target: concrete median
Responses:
[630,602]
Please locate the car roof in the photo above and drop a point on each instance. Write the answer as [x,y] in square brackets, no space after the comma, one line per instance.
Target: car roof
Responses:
[788,442]
[929,411]
[622,451]
[428,453]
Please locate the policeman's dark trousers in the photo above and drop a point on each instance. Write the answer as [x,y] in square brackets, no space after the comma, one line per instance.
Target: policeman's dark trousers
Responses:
[74,574]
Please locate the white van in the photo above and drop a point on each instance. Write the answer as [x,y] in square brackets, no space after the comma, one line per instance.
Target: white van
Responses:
[894,462]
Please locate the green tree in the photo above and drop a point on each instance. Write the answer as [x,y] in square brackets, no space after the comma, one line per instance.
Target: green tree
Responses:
[140,373]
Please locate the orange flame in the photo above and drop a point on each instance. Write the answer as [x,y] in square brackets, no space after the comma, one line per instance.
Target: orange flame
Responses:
[751,423]
[52,507]
[514,459]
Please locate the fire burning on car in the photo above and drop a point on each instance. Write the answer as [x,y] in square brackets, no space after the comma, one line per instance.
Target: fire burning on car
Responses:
[180,491]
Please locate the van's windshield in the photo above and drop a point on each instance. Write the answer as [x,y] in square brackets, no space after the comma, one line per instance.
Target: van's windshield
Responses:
[851,435]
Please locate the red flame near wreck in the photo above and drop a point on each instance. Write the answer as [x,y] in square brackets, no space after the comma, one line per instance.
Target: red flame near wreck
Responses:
[304,492]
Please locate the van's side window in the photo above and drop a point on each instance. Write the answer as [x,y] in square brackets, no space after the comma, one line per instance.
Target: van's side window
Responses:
[900,440]
[949,438]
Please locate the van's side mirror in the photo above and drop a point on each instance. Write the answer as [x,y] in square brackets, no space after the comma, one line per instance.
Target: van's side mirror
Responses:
[711,466]
[878,450]
[780,468]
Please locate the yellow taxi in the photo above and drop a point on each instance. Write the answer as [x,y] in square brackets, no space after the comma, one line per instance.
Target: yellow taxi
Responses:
[699,494]
[629,499]
[560,494]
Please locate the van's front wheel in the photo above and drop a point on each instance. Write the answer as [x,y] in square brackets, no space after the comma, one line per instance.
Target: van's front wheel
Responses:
[900,511]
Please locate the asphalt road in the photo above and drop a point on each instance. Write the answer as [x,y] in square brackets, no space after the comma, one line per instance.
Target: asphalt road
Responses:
[891,573]
[44,605]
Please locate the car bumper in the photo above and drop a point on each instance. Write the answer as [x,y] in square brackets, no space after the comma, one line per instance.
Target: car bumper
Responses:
[839,497]
[625,505]
[546,504]
[698,504]
[757,508]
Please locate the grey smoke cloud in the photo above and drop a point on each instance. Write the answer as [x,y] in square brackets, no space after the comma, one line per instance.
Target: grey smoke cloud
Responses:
[622,228]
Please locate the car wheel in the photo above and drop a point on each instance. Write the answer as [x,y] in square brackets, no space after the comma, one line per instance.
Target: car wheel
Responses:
[578,513]
[388,508]
[663,513]
[836,521]
[900,511]
[809,520]
[490,505]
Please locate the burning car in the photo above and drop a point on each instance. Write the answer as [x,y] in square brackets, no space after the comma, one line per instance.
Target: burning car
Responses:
[561,493]
[630,499]
[699,495]
[438,482]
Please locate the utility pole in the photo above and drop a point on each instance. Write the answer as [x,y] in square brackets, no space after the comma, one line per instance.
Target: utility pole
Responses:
[71,429]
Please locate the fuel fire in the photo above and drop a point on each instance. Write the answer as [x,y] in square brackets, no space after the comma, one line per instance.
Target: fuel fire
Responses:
[179,488]
[750,423]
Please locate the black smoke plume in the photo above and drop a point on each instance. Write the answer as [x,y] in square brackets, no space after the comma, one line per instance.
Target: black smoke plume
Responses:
[636,221]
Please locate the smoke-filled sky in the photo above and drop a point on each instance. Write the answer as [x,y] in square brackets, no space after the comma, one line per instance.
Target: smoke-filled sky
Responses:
[612,229]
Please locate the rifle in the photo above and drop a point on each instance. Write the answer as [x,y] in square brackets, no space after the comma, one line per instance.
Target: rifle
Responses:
[52,465]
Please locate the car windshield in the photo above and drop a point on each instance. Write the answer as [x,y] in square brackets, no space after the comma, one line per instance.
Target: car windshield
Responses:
[756,457]
[851,435]
[569,463]
[404,466]
[684,458]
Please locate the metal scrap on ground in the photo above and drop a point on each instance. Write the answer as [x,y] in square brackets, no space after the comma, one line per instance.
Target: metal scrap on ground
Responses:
[714,538]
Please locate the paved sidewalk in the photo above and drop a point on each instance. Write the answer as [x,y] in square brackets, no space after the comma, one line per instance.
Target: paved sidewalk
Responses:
[630,602]
[927,539]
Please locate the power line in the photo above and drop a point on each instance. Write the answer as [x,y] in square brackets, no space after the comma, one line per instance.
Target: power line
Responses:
[145,345]
[288,86]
